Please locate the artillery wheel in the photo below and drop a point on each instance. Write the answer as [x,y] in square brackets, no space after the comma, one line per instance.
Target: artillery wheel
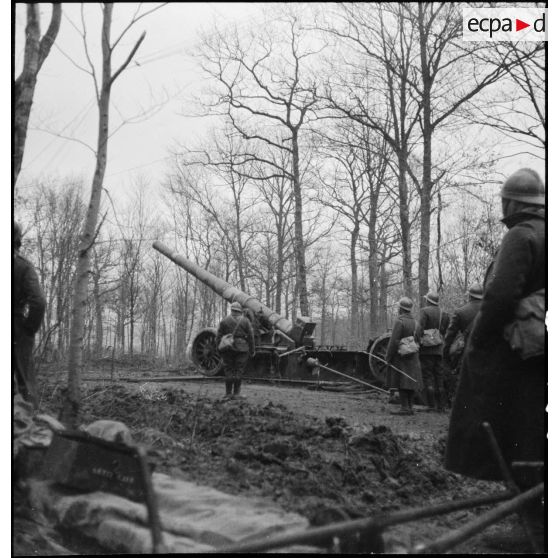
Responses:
[378,368]
[204,352]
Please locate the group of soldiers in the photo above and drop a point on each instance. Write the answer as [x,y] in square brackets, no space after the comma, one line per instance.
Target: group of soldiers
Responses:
[428,368]
[502,374]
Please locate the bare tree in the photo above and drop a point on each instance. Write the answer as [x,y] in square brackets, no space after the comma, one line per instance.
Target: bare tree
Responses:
[375,93]
[265,79]
[56,214]
[277,196]
[215,180]
[448,77]
[345,191]
[103,90]
[36,51]
[517,109]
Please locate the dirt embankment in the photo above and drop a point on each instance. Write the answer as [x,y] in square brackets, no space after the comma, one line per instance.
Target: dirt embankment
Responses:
[328,456]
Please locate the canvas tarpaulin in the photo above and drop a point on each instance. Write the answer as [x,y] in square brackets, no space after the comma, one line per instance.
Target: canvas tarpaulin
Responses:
[194,518]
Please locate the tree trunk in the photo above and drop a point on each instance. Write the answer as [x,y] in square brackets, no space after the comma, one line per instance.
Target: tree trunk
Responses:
[324,310]
[373,271]
[383,318]
[354,285]
[70,413]
[98,317]
[36,51]
[280,268]
[132,317]
[299,237]
[405,225]
[439,241]
[426,192]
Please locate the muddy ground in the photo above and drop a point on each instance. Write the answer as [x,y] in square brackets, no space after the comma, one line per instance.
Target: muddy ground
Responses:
[328,455]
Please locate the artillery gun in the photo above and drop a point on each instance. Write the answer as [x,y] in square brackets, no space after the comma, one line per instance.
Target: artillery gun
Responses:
[284,349]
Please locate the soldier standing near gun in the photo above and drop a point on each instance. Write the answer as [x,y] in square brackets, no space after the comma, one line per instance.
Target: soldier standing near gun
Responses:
[239,338]
[456,335]
[402,354]
[28,308]
[433,323]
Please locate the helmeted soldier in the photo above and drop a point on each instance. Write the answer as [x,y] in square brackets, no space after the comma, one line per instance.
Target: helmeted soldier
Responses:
[461,322]
[433,319]
[497,385]
[456,336]
[28,308]
[404,327]
[236,357]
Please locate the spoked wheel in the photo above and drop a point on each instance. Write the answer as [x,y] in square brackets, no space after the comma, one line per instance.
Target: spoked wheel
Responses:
[378,368]
[205,354]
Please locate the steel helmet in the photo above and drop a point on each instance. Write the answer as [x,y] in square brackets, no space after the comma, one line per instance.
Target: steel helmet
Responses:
[236,307]
[432,297]
[405,303]
[475,290]
[524,185]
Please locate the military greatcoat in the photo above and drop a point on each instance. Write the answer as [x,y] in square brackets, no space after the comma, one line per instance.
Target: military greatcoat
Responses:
[461,321]
[28,308]
[404,326]
[496,385]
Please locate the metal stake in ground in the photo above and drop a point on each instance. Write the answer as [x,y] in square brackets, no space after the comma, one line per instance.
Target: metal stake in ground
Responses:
[320,535]
[315,362]
[480,523]
[510,483]
[151,502]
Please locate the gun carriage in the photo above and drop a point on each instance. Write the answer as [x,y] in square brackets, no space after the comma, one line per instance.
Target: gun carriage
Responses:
[284,349]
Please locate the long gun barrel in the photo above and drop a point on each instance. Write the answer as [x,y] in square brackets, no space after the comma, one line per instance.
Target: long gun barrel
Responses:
[232,294]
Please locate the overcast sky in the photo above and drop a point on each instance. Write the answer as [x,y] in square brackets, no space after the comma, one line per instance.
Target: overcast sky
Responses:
[162,75]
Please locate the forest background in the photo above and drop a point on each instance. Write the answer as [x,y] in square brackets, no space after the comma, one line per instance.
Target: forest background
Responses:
[326,158]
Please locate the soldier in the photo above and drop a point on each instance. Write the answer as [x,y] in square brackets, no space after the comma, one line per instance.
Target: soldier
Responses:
[236,357]
[497,384]
[460,323]
[457,332]
[28,308]
[433,323]
[404,327]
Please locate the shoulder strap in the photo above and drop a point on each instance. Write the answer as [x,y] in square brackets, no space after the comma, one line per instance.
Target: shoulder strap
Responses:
[415,322]
[237,324]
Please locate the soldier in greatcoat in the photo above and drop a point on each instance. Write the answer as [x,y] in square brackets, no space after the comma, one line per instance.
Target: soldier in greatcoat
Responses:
[461,322]
[496,384]
[431,316]
[236,358]
[28,308]
[410,382]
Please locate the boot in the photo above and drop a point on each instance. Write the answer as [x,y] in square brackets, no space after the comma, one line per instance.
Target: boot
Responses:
[237,384]
[405,408]
[430,399]
[228,388]
[441,401]
[410,397]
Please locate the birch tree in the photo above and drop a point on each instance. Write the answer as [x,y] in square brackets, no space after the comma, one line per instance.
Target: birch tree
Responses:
[103,86]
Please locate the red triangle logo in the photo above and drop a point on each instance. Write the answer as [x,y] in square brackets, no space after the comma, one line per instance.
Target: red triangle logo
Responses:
[519,25]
